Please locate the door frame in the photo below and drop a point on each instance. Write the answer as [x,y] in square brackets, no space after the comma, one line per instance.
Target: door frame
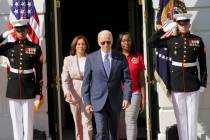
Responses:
[54,66]
[152,116]
[54,57]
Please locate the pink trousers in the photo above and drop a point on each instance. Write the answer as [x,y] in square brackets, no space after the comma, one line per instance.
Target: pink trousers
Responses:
[82,121]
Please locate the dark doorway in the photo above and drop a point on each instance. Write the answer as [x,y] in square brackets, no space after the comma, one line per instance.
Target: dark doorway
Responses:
[88,18]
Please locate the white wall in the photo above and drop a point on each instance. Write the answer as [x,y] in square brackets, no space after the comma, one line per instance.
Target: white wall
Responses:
[200,26]
[41,117]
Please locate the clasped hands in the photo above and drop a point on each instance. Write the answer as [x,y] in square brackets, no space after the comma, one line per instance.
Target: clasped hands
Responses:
[70,98]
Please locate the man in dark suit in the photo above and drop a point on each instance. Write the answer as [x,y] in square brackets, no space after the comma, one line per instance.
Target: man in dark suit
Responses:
[105,73]
[24,79]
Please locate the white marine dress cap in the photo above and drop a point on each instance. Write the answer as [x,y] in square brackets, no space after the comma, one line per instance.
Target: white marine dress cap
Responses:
[20,22]
[183,16]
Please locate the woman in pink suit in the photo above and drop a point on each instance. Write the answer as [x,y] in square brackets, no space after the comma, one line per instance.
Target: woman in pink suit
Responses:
[72,79]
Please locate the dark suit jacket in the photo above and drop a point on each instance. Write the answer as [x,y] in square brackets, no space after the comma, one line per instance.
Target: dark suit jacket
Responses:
[97,86]
[23,86]
[183,49]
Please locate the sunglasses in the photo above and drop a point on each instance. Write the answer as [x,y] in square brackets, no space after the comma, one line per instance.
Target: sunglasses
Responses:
[184,22]
[106,42]
[20,29]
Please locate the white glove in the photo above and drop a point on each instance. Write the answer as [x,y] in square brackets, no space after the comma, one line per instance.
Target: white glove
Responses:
[201,89]
[6,33]
[36,101]
[169,26]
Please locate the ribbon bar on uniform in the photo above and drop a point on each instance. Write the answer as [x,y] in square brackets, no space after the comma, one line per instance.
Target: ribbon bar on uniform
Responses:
[180,64]
[21,71]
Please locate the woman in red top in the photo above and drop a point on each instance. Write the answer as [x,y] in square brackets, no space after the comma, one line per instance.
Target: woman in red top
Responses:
[136,66]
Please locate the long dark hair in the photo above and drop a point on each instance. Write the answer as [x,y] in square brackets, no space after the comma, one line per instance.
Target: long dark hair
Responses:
[74,44]
[118,43]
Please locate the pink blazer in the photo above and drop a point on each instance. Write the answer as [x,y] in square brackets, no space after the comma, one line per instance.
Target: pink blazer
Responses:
[71,77]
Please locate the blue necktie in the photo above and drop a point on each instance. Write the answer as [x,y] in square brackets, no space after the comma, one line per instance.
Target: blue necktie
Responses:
[107,64]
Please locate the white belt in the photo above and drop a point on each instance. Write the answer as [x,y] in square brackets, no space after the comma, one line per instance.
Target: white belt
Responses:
[180,64]
[21,71]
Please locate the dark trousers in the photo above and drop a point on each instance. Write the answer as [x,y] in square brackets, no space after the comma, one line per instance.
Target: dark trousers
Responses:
[107,123]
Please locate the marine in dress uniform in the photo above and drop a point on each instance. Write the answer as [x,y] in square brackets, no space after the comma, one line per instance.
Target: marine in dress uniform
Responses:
[184,50]
[24,79]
